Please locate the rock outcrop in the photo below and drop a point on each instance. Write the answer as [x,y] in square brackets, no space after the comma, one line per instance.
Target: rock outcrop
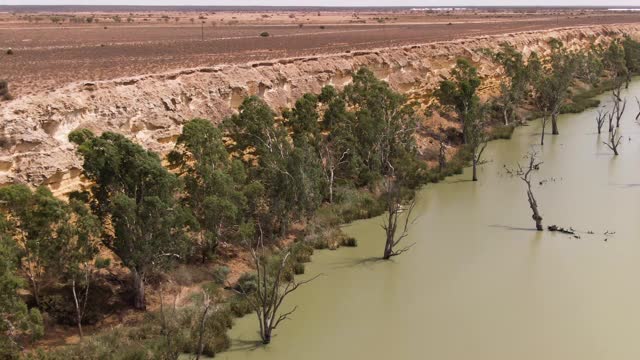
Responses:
[151,109]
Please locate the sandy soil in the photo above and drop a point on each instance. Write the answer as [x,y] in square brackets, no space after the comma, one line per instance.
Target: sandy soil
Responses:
[48,55]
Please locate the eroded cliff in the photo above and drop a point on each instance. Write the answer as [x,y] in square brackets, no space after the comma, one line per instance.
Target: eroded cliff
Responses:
[152,108]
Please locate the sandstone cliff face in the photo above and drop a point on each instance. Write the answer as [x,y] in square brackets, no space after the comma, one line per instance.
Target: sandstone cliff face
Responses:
[151,109]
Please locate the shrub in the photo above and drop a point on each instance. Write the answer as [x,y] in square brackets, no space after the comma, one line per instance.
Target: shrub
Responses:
[248,283]
[502,132]
[264,34]
[4,90]
[301,252]
[298,268]
[349,241]
[220,274]
[10,51]
[239,306]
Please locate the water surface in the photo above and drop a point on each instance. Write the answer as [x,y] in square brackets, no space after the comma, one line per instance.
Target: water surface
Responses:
[480,283]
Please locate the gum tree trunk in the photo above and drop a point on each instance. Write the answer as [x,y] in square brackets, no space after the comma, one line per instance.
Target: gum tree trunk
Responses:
[554,124]
[534,207]
[138,287]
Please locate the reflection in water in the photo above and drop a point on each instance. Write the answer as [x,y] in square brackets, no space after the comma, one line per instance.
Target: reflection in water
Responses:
[479,284]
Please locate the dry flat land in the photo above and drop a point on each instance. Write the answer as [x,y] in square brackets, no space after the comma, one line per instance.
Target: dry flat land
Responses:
[53,47]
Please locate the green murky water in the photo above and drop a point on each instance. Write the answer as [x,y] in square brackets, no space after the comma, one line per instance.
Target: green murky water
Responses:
[480,283]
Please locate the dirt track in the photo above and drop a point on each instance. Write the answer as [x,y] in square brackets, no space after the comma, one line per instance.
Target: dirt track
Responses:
[47,56]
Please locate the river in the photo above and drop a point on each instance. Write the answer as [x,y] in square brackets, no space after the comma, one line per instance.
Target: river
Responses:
[480,283]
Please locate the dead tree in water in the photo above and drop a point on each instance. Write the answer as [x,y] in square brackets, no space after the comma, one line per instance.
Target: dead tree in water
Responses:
[617,109]
[600,118]
[272,287]
[394,210]
[638,101]
[526,175]
[614,141]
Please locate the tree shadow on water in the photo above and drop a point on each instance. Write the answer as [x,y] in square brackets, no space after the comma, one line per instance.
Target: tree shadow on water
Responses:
[457,181]
[513,228]
[368,261]
[245,345]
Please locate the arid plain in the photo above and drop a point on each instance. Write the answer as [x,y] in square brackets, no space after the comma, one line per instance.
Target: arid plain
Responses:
[54,46]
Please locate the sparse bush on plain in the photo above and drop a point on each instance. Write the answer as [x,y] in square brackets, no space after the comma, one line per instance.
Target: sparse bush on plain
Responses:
[264,34]
[4,90]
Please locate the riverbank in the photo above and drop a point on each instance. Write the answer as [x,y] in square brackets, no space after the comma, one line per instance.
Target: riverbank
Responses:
[481,282]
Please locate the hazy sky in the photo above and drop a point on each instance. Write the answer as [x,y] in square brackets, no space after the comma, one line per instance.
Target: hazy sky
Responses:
[417,3]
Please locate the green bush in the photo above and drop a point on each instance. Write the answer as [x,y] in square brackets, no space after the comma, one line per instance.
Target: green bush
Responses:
[502,132]
[264,34]
[220,274]
[239,306]
[247,283]
[301,252]
[298,268]
[349,241]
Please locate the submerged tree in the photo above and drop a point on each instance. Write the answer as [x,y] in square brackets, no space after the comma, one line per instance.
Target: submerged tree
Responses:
[600,119]
[525,173]
[135,198]
[271,287]
[396,229]
[478,139]
[614,141]
[619,105]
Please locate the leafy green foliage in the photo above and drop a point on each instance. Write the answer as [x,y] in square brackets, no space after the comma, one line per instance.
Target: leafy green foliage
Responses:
[18,324]
[382,129]
[615,62]
[214,184]
[515,85]
[291,175]
[552,80]
[55,239]
[460,91]
[134,197]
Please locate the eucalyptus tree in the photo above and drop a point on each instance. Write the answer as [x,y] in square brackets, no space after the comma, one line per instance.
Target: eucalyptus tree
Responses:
[214,185]
[385,137]
[632,56]
[459,92]
[339,152]
[18,323]
[291,175]
[551,84]
[303,120]
[515,82]
[615,63]
[589,66]
[135,198]
[52,235]
[478,138]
